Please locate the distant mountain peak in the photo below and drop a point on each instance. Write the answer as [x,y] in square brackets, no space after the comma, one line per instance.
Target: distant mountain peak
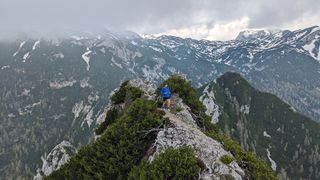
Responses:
[256,33]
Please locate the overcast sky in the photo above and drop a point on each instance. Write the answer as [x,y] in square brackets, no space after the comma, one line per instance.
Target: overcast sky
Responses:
[201,19]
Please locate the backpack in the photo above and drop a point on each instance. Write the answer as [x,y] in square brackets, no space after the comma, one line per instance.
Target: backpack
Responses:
[165,92]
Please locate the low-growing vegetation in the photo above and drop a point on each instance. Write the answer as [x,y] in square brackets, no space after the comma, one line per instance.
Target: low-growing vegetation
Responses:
[126,92]
[121,146]
[173,163]
[226,159]
[111,116]
[177,109]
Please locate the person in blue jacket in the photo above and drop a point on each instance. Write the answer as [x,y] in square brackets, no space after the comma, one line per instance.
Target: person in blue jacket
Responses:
[166,94]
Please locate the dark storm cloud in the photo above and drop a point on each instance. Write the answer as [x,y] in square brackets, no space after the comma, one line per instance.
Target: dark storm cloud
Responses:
[146,16]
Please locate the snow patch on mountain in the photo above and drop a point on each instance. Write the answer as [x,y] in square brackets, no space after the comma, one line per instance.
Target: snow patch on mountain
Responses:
[155,48]
[265,134]
[256,33]
[11,115]
[259,68]
[86,58]
[58,55]
[293,109]
[134,43]
[245,109]
[25,92]
[20,46]
[25,57]
[315,29]
[35,45]
[78,38]
[273,163]
[313,49]
[5,67]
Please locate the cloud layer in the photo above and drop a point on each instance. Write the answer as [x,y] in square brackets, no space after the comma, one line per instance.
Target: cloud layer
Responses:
[207,19]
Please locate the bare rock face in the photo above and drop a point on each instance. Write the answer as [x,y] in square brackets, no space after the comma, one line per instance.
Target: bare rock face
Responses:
[58,156]
[185,113]
[209,151]
[148,88]
[208,100]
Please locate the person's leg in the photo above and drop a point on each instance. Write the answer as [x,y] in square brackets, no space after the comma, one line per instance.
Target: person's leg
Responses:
[169,103]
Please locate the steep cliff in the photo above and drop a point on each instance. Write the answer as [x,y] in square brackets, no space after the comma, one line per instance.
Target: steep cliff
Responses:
[262,123]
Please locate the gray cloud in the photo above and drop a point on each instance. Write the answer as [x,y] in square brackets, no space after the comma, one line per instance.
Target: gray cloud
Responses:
[148,16]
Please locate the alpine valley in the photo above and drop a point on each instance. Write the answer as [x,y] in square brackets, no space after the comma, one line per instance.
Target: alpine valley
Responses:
[54,92]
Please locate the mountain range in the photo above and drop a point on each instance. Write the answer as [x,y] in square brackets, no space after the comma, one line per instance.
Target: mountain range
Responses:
[57,89]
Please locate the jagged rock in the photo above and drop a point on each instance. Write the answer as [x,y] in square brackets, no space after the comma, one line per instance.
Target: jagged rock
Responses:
[185,113]
[208,100]
[147,87]
[58,156]
[207,150]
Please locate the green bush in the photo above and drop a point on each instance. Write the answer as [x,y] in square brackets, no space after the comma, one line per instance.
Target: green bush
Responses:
[126,92]
[177,109]
[111,116]
[121,146]
[119,96]
[226,159]
[173,163]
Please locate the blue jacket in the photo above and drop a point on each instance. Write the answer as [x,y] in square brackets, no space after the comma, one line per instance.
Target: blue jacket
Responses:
[165,92]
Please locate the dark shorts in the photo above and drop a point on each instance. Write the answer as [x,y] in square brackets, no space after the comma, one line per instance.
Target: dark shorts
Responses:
[165,98]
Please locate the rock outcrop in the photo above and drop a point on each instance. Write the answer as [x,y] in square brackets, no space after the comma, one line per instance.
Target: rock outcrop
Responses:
[58,156]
